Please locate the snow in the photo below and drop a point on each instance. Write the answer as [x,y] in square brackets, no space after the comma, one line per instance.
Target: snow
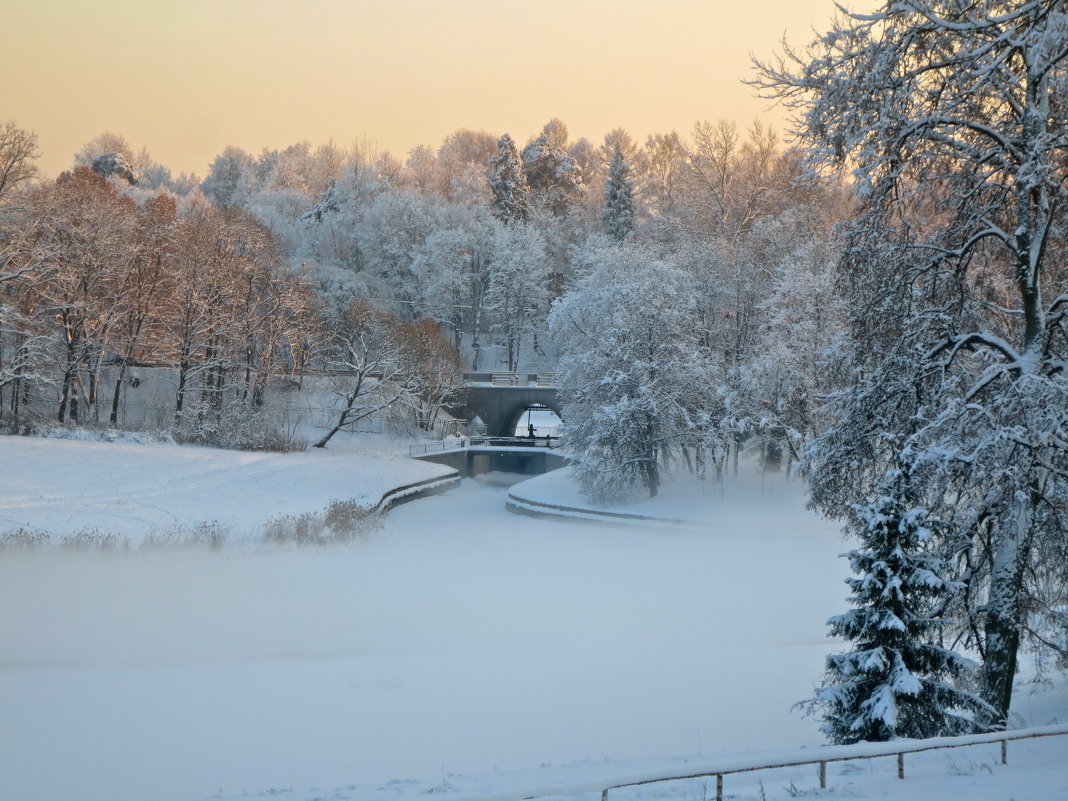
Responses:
[65,486]
[755,502]
[459,649]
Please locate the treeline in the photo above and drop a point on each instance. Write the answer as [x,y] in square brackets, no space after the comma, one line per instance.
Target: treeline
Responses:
[480,236]
[485,234]
[94,283]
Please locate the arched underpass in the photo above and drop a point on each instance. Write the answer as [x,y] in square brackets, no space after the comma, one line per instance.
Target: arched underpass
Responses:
[474,460]
[500,404]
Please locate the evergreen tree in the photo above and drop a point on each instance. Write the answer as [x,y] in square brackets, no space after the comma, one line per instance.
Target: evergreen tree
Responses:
[554,176]
[508,183]
[617,214]
[895,681]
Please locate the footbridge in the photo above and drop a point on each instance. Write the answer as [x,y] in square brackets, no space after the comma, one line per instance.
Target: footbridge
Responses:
[473,456]
[500,399]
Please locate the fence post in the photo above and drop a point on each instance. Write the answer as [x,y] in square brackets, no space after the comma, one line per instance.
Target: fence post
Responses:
[1004,752]
[823,775]
[901,766]
[604,794]
[719,787]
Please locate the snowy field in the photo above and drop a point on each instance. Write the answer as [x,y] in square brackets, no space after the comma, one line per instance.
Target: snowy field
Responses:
[61,486]
[459,650]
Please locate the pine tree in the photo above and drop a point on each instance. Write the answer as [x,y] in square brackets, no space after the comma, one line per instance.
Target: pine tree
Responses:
[509,183]
[895,681]
[553,174]
[617,214]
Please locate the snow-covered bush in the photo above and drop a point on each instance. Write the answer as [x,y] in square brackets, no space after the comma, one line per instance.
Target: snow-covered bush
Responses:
[341,521]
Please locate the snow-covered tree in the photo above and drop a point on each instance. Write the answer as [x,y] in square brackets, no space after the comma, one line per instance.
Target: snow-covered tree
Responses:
[453,269]
[617,213]
[365,345]
[223,184]
[509,183]
[896,680]
[630,370]
[518,292]
[391,230]
[554,177]
[107,164]
[951,115]
[18,155]
[431,370]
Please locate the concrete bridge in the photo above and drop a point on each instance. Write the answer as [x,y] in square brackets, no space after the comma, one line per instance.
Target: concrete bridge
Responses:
[473,456]
[500,399]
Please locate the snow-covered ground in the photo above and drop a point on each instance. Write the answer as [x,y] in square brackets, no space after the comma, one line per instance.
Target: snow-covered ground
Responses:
[61,486]
[459,649]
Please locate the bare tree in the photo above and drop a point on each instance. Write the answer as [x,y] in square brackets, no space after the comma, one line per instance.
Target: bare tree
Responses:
[366,345]
[18,151]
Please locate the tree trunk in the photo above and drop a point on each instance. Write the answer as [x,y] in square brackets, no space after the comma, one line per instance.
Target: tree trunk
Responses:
[113,418]
[1004,613]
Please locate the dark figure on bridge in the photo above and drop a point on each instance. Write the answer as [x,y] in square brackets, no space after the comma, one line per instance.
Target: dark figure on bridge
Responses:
[531,430]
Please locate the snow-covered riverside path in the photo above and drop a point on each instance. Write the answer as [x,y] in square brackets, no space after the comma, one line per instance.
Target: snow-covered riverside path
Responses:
[458,639]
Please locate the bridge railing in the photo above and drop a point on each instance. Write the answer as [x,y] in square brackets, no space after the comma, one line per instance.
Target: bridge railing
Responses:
[513,442]
[455,443]
[437,446]
[511,379]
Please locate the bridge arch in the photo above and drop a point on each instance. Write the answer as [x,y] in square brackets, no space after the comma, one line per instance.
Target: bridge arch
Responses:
[500,407]
[514,420]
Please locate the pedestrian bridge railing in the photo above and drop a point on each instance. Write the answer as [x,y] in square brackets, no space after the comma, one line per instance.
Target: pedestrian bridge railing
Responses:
[457,443]
[509,379]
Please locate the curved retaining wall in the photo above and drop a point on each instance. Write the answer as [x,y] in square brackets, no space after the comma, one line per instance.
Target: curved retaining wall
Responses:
[521,500]
[417,489]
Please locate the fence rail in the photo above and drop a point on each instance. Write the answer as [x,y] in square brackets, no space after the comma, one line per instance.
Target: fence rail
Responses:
[846,753]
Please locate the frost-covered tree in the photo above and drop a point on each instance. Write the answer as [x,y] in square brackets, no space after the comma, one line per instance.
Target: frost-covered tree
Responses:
[431,370]
[630,369]
[107,164]
[951,115]
[453,270]
[223,184]
[617,213]
[518,293]
[18,156]
[509,183]
[391,230]
[553,175]
[364,342]
[896,680]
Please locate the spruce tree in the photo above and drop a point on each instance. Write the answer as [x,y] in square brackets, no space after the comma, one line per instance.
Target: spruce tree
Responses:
[896,681]
[509,183]
[617,214]
[553,174]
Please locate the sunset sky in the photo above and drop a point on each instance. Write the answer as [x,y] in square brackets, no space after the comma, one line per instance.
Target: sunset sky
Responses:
[185,79]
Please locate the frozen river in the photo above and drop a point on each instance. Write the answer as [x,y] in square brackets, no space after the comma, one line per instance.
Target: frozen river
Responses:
[457,638]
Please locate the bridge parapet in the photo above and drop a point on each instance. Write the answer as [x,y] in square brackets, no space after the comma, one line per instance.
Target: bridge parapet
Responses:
[466,443]
[507,379]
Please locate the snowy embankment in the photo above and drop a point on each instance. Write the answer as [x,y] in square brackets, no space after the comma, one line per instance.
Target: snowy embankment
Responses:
[459,650]
[61,487]
[682,501]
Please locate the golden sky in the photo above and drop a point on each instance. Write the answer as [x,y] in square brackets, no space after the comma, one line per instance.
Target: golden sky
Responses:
[185,78]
